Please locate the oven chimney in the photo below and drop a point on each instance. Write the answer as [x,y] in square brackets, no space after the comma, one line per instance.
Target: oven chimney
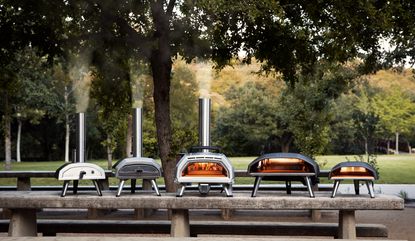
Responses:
[138,132]
[204,122]
[80,137]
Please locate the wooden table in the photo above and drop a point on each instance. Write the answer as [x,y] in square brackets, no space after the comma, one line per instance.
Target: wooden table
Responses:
[24,205]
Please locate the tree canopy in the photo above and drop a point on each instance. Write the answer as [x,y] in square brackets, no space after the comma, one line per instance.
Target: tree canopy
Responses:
[288,37]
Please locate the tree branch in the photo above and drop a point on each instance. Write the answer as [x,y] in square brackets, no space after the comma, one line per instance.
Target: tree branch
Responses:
[170,7]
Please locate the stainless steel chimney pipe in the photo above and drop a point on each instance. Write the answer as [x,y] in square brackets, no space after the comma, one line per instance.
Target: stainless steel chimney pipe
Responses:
[204,122]
[80,137]
[137,132]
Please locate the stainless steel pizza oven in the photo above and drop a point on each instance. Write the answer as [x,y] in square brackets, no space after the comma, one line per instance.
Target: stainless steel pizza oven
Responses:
[79,170]
[137,167]
[286,167]
[355,171]
[202,165]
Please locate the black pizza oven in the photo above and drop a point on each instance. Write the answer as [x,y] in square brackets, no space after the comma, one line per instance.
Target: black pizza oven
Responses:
[356,172]
[286,167]
[137,167]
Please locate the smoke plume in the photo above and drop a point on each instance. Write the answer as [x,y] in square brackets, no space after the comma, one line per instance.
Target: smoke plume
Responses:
[204,78]
[137,77]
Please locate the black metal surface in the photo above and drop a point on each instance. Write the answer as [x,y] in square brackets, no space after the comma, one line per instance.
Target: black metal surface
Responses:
[370,168]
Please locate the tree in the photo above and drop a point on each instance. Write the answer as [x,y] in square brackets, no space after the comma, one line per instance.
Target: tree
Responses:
[34,95]
[252,123]
[396,111]
[307,105]
[23,24]
[366,120]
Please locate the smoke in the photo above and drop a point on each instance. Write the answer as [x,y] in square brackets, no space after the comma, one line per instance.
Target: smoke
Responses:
[204,78]
[81,77]
[137,77]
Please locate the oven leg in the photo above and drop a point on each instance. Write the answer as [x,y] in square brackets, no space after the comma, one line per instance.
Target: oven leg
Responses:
[75,186]
[335,188]
[156,188]
[181,191]
[310,190]
[133,184]
[64,188]
[228,190]
[256,186]
[288,186]
[370,188]
[120,187]
[356,187]
[97,187]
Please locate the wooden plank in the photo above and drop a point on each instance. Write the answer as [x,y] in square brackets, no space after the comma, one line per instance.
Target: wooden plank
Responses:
[100,238]
[50,227]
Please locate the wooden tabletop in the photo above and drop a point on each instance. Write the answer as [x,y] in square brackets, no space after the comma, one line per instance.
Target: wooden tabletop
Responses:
[193,200]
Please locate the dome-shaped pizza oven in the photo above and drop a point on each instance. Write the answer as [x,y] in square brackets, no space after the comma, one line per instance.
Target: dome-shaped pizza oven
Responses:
[286,167]
[201,165]
[355,171]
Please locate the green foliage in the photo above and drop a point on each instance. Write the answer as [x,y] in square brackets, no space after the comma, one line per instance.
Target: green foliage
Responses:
[184,112]
[307,106]
[396,111]
[251,122]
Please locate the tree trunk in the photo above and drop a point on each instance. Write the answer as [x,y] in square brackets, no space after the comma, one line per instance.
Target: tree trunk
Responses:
[409,147]
[161,65]
[286,141]
[67,136]
[388,145]
[396,143]
[129,144]
[7,134]
[67,127]
[19,134]
[109,152]
[366,147]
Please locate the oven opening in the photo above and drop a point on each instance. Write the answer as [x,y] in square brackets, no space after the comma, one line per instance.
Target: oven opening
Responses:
[352,172]
[204,169]
[281,165]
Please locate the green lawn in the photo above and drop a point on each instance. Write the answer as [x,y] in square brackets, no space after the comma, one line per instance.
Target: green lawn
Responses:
[394,169]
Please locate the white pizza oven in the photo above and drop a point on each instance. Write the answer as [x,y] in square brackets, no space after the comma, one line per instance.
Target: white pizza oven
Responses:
[79,169]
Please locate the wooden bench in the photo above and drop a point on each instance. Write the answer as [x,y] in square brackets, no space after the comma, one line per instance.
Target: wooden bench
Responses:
[24,205]
[52,227]
[100,238]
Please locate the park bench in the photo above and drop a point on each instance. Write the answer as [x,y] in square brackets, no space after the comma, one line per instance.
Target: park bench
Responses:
[24,205]
[89,238]
[52,227]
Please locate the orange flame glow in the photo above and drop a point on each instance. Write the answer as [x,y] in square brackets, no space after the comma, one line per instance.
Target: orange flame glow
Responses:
[204,169]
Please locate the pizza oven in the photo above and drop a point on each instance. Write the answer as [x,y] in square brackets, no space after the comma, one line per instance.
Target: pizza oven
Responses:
[79,169]
[356,172]
[286,167]
[202,165]
[137,167]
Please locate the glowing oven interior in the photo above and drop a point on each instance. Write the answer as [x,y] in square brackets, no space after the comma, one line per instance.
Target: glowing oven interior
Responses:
[280,165]
[351,172]
[204,169]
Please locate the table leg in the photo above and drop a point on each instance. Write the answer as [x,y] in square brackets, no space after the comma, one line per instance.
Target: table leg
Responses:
[180,226]
[141,213]
[347,224]
[23,223]
[23,184]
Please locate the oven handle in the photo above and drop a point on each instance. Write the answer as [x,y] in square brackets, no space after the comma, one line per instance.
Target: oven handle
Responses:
[214,148]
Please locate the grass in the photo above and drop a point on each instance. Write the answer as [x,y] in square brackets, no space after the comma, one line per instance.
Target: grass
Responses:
[394,169]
